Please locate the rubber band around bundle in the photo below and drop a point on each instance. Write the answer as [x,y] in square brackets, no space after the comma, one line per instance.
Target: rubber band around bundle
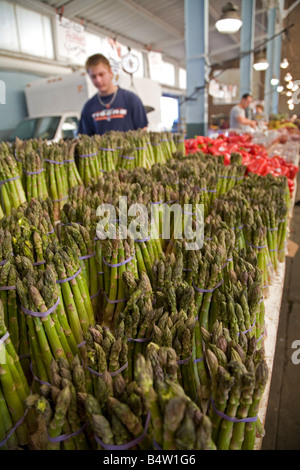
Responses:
[38,172]
[38,263]
[36,378]
[3,262]
[41,314]
[250,329]
[187,270]
[91,255]
[55,162]
[62,199]
[61,281]
[140,148]
[155,203]
[7,288]
[80,345]
[95,295]
[273,229]
[88,155]
[232,419]
[4,338]
[65,437]
[185,361]
[155,445]
[18,423]
[9,179]
[127,158]
[208,290]
[51,231]
[142,239]
[259,247]
[112,374]
[118,264]
[139,340]
[130,444]
[113,301]
[106,150]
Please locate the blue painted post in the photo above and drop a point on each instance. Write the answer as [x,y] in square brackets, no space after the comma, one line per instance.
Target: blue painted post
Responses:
[276,69]
[247,44]
[196,39]
[270,58]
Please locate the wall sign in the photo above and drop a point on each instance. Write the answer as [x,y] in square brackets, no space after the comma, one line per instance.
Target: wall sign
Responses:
[71,42]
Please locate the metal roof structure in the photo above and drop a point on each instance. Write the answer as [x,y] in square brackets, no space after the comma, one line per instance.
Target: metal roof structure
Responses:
[157,25]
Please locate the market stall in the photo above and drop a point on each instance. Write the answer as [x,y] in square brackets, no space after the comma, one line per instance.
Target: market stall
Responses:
[137,342]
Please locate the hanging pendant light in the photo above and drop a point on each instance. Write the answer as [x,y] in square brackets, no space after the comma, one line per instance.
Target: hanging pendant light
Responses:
[280,88]
[288,77]
[284,63]
[230,21]
[261,62]
[274,81]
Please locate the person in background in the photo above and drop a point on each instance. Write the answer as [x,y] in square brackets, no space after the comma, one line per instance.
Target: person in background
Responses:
[238,119]
[112,107]
[260,116]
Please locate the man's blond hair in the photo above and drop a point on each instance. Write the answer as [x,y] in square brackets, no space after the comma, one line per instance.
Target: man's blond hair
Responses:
[97,59]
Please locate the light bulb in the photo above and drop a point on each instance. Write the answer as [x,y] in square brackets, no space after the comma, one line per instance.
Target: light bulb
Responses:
[289,93]
[290,85]
[280,88]
[284,64]
[274,81]
[291,107]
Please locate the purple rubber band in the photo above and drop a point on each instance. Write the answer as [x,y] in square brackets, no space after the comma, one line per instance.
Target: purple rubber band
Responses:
[7,287]
[24,356]
[158,202]
[139,340]
[129,444]
[58,163]
[87,155]
[184,361]
[100,272]
[61,281]
[41,314]
[106,150]
[267,285]
[64,437]
[3,262]
[118,264]
[140,148]
[9,179]
[18,423]
[38,263]
[198,360]
[257,247]
[4,338]
[95,295]
[273,229]
[127,158]
[87,256]
[271,251]
[155,445]
[261,336]
[112,374]
[154,144]
[250,329]
[187,270]
[38,172]
[188,213]
[36,378]
[231,418]
[51,231]
[62,199]
[211,190]
[83,343]
[113,301]
[171,202]
[208,290]
[143,239]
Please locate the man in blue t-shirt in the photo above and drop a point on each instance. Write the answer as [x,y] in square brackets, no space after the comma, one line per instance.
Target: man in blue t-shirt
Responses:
[112,108]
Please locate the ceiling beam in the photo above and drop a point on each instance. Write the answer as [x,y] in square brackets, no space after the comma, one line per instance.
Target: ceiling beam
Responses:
[149,16]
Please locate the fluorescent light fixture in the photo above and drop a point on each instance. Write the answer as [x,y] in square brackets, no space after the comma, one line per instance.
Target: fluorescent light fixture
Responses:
[285,63]
[229,22]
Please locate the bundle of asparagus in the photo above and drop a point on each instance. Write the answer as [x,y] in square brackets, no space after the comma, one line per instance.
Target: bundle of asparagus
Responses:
[87,160]
[239,374]
[78,238]
[178,423]
[33,167]
[73,289]
[106,151]
[11,189]
[15,426]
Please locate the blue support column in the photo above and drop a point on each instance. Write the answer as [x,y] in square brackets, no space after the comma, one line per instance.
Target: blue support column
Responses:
[276,69]
[196,37]
[247,44]
[270,58]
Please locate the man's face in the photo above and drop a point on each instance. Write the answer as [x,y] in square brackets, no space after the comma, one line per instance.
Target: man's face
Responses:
[246,102]
[101,77]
